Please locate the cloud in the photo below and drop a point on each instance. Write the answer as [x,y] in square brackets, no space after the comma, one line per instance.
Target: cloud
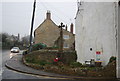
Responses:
[60,0]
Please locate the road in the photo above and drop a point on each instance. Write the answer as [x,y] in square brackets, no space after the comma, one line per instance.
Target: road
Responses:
[10,74]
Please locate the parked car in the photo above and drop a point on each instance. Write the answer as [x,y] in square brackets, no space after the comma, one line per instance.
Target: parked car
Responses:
[15,50]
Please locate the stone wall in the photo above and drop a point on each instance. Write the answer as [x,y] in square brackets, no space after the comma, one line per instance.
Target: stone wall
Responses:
[69,41]
[47,33]
[49,56]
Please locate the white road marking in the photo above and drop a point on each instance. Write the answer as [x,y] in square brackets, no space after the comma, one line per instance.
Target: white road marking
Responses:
[13,54]
[47,77]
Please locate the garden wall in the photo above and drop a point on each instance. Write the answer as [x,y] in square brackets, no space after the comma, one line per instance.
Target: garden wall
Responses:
[49,56]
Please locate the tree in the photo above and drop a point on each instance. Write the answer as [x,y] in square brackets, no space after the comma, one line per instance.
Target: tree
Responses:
[8,40]
[25,40]
[4,37]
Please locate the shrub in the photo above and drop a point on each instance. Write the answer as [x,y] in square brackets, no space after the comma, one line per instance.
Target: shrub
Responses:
[25,52]
[38,46]
[43,62]
[75,64]
[69,57]
[30,60]
[35,61]
[85,65]
[113,58]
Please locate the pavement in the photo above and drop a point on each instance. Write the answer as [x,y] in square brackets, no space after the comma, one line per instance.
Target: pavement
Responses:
[16,64]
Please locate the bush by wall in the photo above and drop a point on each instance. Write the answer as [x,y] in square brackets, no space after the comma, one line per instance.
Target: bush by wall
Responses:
[75,64]
[38,46]
[112,58]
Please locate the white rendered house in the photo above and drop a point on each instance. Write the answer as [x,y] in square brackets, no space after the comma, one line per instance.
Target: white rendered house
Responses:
[97,31]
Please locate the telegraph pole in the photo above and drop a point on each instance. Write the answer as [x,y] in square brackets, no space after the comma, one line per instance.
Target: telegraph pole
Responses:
[61,37]
[32,22]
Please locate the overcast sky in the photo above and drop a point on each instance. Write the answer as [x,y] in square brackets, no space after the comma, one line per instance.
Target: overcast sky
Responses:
[16,16]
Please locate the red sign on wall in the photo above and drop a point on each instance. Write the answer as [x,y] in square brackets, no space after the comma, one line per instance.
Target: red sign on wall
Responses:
[98,52]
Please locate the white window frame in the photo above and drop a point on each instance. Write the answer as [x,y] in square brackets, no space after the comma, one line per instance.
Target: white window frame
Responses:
[66,36]
[66,45]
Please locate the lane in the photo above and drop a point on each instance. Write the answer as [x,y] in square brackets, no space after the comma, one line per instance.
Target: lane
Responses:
[9,74]
[5,57]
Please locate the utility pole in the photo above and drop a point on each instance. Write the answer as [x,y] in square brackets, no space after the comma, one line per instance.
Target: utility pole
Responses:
[61,37]
[32,22]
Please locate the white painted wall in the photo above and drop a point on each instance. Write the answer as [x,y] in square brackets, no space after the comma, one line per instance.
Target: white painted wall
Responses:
[118,60]
[96,27]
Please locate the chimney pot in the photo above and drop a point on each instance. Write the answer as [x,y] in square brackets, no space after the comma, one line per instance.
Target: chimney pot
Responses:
[48,15]
[66,28]
[71,28]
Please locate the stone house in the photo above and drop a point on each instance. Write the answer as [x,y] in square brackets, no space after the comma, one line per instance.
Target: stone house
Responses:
[49,33]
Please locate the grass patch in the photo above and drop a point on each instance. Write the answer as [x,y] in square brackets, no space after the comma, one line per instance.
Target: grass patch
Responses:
[75,64]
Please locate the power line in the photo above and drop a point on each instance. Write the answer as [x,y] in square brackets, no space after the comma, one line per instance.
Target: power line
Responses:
[59,18]
[54,13]
[54,8]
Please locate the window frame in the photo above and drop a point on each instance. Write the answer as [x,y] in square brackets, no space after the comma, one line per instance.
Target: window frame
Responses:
[66,45]
[66,37]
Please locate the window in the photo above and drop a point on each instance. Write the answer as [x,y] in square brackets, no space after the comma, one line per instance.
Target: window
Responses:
[66,45]
[66,36]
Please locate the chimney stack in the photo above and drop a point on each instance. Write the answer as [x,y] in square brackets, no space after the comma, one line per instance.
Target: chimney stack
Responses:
[66,28]
[48,15]
[71,28]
